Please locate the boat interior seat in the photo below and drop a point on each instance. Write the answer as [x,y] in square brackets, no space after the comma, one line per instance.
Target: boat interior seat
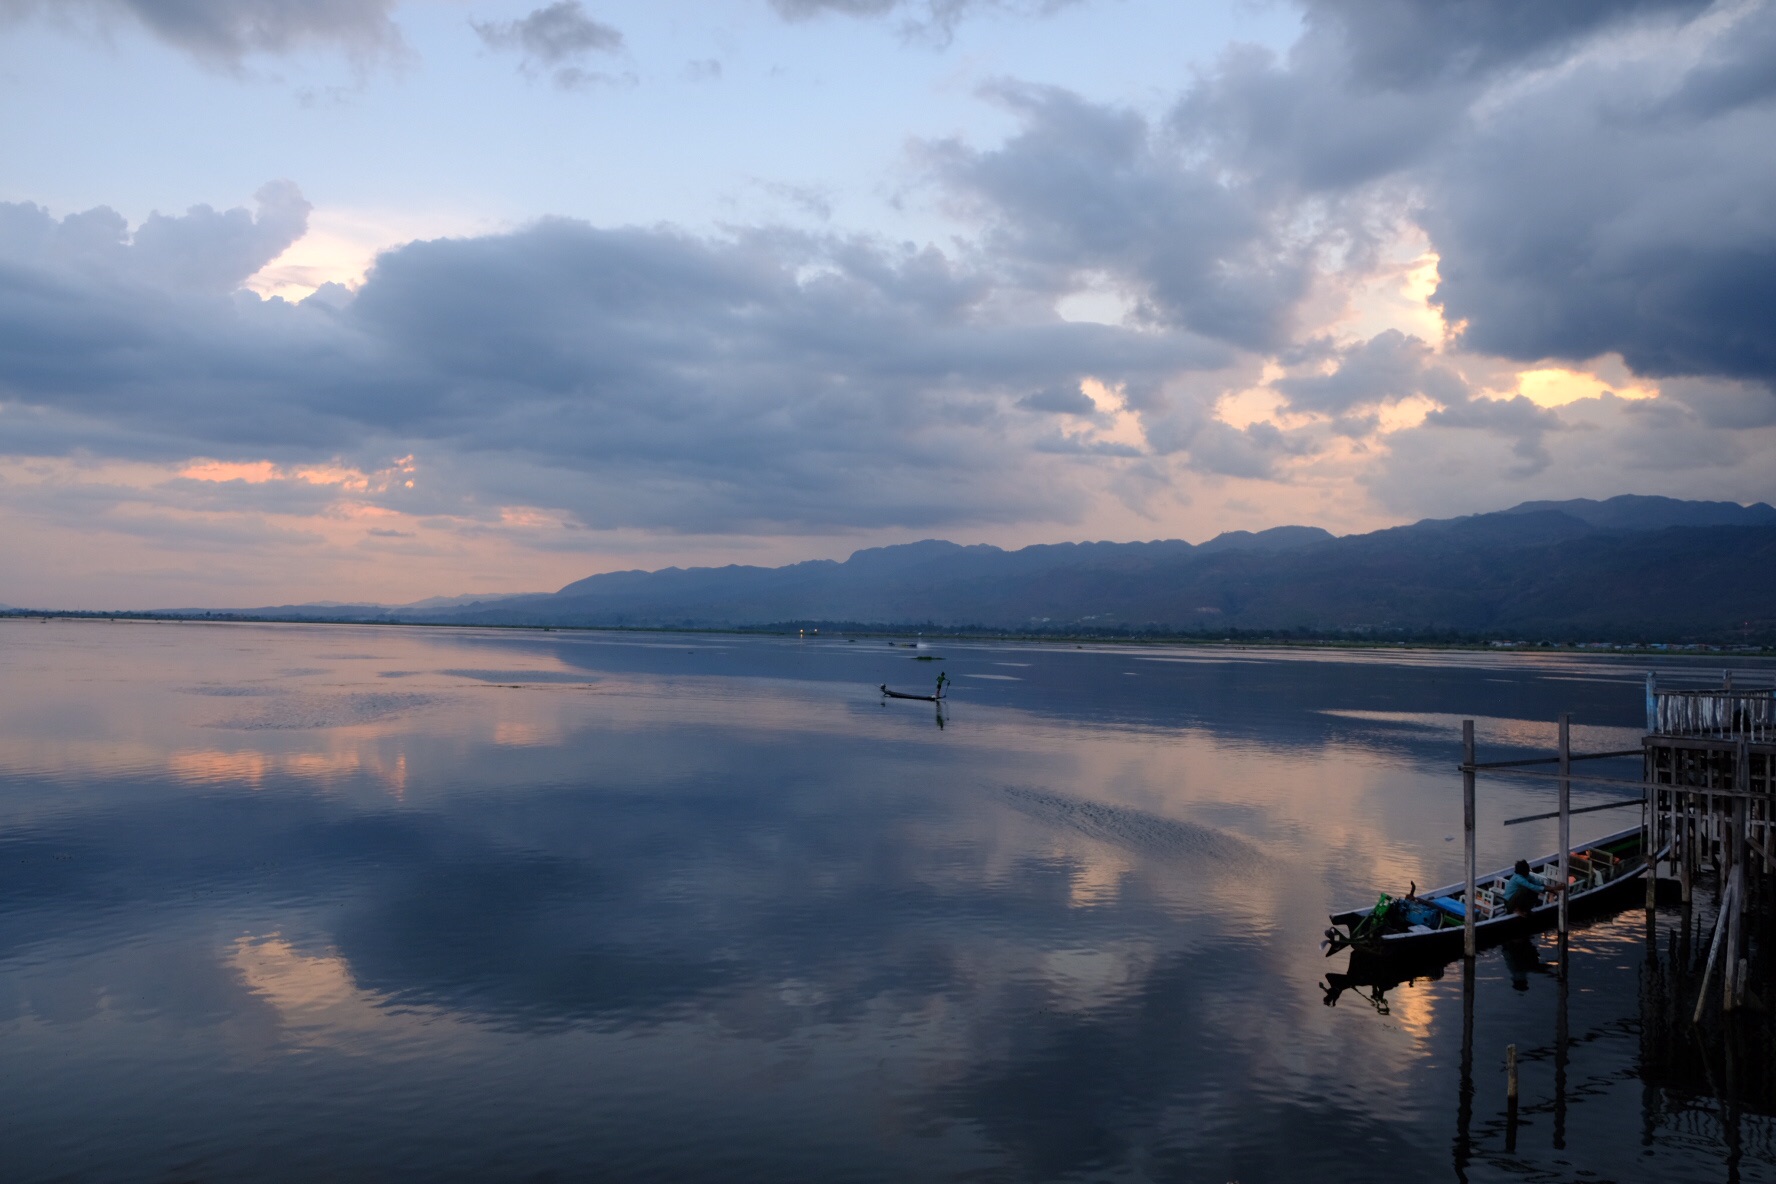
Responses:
[1487,904]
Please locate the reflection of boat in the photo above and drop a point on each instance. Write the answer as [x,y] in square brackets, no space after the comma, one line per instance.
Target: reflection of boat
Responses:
[1602,872]
[1380,973]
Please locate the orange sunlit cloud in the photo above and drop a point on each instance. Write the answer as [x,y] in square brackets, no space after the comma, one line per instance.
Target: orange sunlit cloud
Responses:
[259,472]
[1555,386]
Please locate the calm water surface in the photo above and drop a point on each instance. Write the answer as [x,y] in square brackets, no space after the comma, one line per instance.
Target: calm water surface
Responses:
[335,903]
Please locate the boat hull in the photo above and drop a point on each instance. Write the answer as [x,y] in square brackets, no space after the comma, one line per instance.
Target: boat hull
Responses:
[1417,941]
[919,698]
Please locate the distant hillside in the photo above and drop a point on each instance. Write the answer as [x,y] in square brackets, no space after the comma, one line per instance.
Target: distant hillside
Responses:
[1626,569]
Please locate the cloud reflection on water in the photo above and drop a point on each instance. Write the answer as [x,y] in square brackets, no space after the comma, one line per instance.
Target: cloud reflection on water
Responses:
[1072,932]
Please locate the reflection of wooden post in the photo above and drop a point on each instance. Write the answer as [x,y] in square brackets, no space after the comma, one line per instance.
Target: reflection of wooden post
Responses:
[1469,903]
[1464,1097]
[1565,825]
[1510,1097]
[1561,1040]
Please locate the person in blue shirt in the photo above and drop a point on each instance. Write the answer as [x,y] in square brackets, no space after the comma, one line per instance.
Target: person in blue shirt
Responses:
[1524,891]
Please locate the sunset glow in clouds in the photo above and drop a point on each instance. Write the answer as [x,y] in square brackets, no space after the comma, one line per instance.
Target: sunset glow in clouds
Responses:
[386,300]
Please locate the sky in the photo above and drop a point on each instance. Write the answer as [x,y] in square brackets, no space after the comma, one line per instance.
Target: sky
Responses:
[374,300]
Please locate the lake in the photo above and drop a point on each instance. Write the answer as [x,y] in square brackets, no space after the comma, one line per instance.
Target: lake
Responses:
[285,902]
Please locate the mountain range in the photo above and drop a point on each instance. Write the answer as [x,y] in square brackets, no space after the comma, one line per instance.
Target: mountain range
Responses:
[1629,568]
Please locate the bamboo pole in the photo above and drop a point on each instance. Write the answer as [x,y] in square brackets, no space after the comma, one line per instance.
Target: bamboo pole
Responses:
[1735,922]
[1469,903]
[1714,947]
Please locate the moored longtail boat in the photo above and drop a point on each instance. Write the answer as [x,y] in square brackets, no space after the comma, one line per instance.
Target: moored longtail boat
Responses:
[1424,923]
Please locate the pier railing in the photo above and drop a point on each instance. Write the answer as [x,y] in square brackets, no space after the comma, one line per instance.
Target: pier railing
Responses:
[1716,714]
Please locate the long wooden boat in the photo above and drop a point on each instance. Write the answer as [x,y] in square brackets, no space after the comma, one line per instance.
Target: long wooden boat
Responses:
[937,698]
[1603,872]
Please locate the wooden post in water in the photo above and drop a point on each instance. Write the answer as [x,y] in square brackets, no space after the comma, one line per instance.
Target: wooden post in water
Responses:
[1735,918]
[1684,832]
[1469,904]
[1565,825]
[1714,948]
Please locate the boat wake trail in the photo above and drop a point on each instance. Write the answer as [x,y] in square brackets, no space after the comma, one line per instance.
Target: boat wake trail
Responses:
[1132,830]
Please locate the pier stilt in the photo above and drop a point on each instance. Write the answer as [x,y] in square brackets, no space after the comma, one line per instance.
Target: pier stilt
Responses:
[1565,827]
[1469,903]
[1685,833]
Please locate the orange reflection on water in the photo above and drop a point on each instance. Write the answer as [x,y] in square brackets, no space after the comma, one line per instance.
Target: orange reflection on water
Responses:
[215,767]
[250,768]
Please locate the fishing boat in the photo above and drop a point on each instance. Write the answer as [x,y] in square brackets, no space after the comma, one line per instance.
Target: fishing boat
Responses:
[1602,875]
[937,698]
[936,695]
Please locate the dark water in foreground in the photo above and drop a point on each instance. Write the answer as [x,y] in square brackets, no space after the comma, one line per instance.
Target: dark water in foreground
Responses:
[329,903]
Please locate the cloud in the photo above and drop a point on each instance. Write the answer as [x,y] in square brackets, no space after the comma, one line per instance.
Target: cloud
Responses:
[1580,182]
[202,250]
[1388,367]
[764,382]
[1255,450]
[556,39]
[1605,209]
[1580,169]
[1409,44]
[225,32]
[1059,400]
[933,20]
[1698,440]
[1085,190]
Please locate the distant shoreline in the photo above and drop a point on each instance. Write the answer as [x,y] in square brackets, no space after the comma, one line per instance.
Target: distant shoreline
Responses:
[1236,639]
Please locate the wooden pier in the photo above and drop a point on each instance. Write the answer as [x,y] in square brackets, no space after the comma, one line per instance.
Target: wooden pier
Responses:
[1710,786]
[1707,795]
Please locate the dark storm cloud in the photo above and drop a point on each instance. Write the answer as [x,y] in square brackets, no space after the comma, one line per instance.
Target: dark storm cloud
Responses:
[631,377]
[1599,213]
[556,39]
[223,32]
[1085,189]
[1406,44]
[1618,203]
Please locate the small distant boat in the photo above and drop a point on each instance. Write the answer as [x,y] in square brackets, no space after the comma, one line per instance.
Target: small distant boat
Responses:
[1427,923]
[937,698]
